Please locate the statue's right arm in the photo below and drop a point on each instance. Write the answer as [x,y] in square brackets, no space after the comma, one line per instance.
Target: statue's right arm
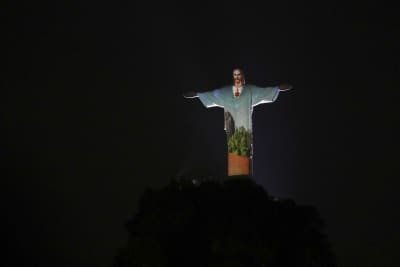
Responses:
[209,99]
[190,95]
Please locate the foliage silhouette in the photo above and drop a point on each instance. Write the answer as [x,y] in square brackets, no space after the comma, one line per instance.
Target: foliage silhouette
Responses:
[228,223]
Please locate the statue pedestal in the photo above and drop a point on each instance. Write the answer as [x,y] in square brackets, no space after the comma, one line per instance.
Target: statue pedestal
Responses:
[238,165]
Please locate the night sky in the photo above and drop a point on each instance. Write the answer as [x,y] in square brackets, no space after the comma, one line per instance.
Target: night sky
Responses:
[92,114]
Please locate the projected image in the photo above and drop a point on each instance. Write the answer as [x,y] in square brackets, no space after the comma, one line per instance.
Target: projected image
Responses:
[238,101]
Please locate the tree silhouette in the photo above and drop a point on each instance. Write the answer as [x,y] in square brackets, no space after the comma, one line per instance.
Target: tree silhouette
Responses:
[228,223]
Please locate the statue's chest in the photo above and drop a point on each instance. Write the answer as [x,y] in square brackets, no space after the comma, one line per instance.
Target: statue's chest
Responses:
[239,104]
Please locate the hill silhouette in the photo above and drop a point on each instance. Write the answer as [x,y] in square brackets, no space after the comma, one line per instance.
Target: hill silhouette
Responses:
[222,222]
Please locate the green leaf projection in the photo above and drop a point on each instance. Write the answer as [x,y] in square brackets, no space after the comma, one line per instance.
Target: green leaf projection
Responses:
[239,142]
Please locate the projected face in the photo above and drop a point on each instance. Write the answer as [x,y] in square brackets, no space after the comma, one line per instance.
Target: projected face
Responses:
[238,77]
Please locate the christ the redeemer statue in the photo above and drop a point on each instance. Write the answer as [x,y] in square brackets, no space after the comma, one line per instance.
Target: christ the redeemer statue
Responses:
[238,101]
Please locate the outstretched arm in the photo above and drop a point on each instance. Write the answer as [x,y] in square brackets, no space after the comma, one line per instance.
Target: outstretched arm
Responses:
[285,87]
[261,95]
[209,99]
[190,95]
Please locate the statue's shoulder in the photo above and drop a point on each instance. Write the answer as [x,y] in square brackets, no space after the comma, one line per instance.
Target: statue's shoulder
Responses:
[250,86]
[225,89]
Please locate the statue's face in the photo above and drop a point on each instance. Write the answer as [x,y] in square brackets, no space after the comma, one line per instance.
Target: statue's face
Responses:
[237,76]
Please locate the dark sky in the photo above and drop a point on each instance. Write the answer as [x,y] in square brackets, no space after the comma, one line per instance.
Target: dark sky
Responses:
[92,114]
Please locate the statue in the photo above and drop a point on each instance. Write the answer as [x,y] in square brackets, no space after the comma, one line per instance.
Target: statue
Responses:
[238,101]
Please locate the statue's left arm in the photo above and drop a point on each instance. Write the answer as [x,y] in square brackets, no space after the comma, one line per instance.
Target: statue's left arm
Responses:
[261,95]
[285,87]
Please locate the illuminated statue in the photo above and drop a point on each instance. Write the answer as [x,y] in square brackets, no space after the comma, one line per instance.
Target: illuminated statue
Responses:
[238,101]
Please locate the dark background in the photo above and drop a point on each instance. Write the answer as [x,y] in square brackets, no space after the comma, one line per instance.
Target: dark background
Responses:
[92,114]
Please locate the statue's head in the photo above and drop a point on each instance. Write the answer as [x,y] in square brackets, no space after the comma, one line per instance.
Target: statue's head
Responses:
[238,77]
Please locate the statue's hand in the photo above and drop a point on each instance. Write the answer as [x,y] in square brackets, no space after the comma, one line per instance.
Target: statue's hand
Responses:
[190,95]
[285,87]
